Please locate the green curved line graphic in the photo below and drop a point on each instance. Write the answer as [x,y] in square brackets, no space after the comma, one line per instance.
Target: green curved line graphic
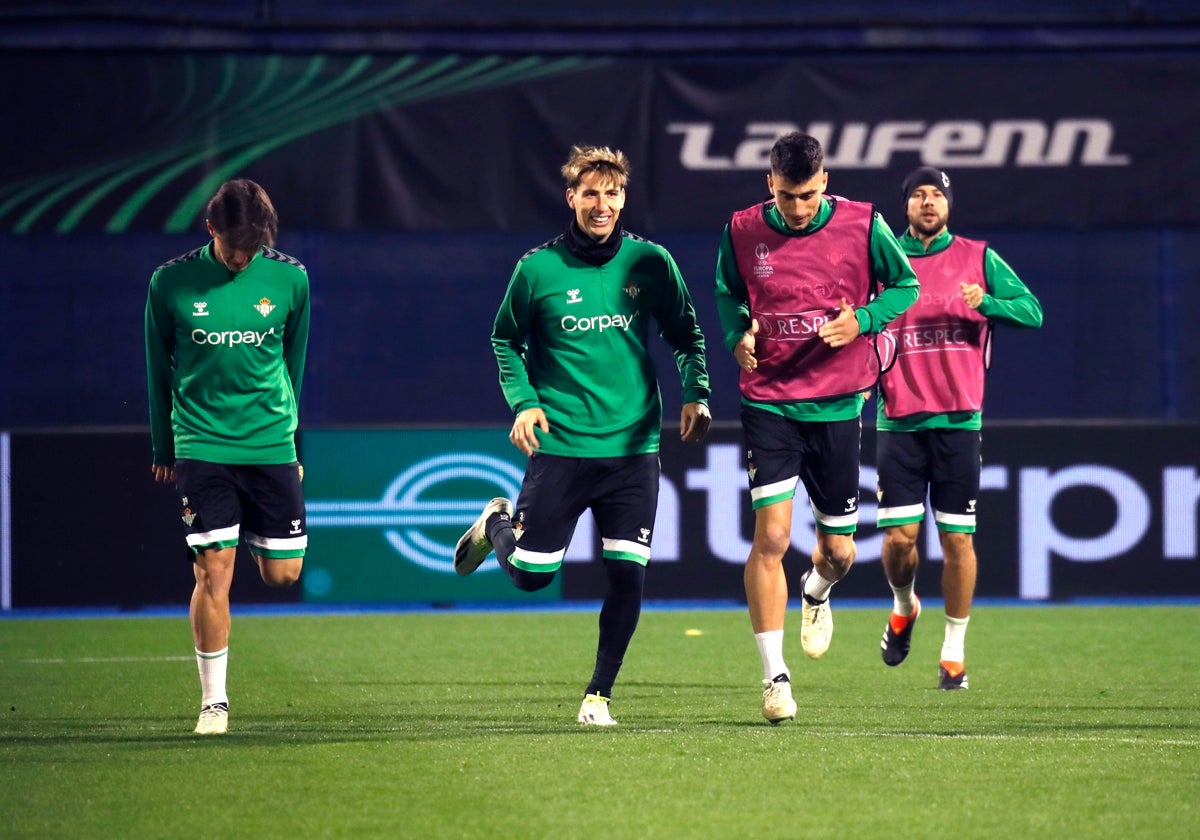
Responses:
[215,102]
[28,188]
[126,168]
[143,163]
[259,122]
[74,179]
[193,202]
[265,81]
[128,211]
[189,89]
[60,184]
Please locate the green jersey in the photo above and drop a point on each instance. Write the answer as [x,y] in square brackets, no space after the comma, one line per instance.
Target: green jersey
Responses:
[893,276]
[1007,301]
[225,354]
[571,337]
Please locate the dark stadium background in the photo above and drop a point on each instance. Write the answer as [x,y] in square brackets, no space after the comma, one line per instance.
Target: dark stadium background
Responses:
[411,212]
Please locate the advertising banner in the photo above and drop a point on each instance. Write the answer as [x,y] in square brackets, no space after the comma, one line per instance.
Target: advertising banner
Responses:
[407,142]
[385,509]
[1065,512]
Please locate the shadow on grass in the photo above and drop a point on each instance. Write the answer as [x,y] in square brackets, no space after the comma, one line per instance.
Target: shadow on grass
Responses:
[414,711]
[258,730]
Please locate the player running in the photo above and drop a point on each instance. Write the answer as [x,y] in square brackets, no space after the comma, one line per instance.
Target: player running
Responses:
[795,279]
[226,341]
[930,412]
[571,339]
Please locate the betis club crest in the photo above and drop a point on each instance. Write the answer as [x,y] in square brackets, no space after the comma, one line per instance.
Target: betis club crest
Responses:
[264,307]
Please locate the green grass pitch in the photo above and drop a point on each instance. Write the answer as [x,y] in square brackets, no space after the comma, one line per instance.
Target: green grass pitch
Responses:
[1080,722]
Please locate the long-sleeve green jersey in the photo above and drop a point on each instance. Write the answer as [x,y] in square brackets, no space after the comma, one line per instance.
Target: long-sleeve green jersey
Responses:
[572,338]
[225,355]
[890,272]
[1007,300]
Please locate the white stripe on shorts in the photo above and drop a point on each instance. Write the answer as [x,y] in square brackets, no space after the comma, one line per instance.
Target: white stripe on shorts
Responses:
[278,543]
[959,519]
[214,537]
[901,512]
[627,547]
[844,521]
[539,558]
[775,488]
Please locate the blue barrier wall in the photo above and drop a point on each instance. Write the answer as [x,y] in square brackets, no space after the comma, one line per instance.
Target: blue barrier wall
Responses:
[401,326]
[1066,511]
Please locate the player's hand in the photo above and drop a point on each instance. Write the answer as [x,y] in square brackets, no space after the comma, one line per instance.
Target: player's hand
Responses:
[694,422]
[972,294]
[523,434]
[163,473]
[743,351]
[841,330]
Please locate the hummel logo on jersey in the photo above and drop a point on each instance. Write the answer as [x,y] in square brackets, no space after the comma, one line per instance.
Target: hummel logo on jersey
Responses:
[295,527]
[200,308]
[971,506]
[645,535]
[851,504]
[264,307]
[573,296]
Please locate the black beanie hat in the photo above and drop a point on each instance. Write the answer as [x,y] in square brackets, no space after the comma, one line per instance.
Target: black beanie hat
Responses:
[927,175]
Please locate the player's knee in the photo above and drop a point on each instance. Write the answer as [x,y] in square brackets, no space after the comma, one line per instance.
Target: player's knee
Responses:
[213,570]
[280,573]
[899,544]
[625,575]
[838,551]
[957,547]
[772,540]
[531,581]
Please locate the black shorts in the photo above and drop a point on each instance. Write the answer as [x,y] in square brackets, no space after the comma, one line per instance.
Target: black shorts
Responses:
[944,462]
[622,494]
[823,456]
[223,501]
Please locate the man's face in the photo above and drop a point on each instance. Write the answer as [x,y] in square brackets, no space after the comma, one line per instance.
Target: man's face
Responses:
[928,211]
[233,259]
[797,202]
[597,203]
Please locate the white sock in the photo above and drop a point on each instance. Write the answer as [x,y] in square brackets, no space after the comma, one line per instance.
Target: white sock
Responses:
[903,602]
[212,676]
[770,648]
[816,587]
[952,644]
